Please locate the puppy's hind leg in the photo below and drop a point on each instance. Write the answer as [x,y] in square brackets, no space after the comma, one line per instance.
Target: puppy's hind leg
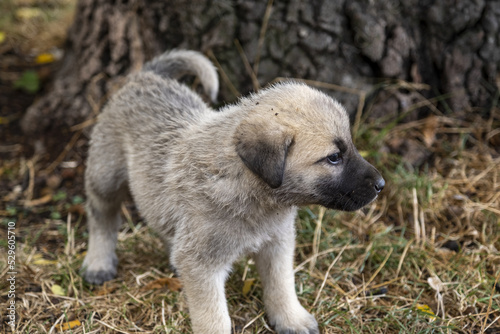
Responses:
[105,185]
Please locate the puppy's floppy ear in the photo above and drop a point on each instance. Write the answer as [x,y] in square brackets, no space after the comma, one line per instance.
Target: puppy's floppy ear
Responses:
[263,147]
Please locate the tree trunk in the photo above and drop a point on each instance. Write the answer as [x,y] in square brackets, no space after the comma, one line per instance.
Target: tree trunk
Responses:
[451,45]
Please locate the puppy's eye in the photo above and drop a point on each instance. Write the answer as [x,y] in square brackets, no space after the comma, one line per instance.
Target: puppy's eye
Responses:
[334,159]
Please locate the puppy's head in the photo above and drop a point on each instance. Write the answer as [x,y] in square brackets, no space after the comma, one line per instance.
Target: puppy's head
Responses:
[297,141]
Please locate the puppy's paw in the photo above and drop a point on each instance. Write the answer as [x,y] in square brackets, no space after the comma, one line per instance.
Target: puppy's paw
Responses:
[302,323]
[99,270]
[98,277]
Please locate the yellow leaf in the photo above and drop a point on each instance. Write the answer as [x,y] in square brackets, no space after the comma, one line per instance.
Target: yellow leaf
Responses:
[44,262]
[427,310]
[39,260]
[2,37]
[364,154]
[45,58]
[68,325]
[58,290]
[247,286]
[81,255]
[27,13]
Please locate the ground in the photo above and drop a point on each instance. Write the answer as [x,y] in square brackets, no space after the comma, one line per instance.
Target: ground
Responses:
[423,258]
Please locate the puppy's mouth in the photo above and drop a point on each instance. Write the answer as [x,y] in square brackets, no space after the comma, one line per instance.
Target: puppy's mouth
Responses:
[347,202]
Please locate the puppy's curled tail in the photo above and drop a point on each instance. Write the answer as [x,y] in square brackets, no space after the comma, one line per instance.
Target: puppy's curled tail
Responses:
[178,63]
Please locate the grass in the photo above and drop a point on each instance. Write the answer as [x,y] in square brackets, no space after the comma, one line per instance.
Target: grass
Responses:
[423,258]
[35,26]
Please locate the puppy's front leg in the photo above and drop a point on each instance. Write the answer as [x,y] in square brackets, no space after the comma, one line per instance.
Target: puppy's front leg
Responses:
[275,265]
[204,288]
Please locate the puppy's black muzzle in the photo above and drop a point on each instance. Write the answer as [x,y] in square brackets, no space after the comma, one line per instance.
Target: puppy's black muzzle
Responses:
[359,184]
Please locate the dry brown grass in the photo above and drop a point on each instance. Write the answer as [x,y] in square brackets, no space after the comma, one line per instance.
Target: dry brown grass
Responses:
[32,27]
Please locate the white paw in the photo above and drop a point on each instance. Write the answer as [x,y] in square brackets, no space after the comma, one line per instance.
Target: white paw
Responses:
[297,321]
[97,270]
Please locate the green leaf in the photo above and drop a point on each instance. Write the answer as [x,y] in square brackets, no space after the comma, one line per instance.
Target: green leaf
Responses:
[28,82]
[60,195]
[77,199]
[11,211]
[55,215]
[58,290]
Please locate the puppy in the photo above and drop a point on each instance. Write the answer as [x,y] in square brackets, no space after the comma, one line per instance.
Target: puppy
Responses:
[220,185]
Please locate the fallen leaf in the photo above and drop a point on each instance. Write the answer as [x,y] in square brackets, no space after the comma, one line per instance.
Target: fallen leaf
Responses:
[106,290]
[68,325]
[172,283]
[45,58]
[435,283]
[39,260]
[247,286]
[53,181]
[44,262]
[77,208]
[429,130]
[2,37]
[57,290]
[424,308]
[28,13]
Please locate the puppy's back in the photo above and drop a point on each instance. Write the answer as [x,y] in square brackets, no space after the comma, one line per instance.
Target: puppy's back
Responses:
[153,101]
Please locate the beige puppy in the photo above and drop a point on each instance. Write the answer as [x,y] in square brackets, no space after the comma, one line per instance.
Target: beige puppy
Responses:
[220,185]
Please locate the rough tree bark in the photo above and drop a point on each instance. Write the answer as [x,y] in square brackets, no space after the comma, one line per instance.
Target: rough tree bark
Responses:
[452,45]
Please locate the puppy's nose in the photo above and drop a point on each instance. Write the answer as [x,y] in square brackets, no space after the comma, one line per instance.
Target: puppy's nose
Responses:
[379,185]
